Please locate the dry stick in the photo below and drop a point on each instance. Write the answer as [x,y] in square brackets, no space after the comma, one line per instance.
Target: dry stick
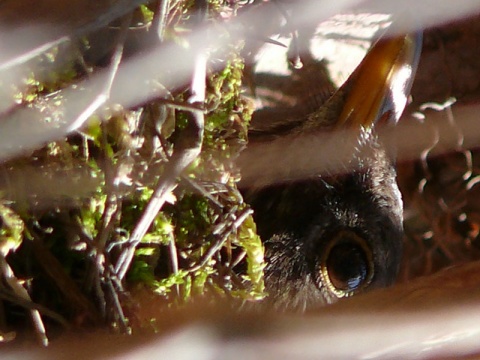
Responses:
[100,100]
[115,11]
[118,306]
[15,285]
[159,24]
[294,59]
[217,245]
[180,160]
[159,21]
[182,105]
[111,205]
[220,227]
[14,298]
[182,157]
[106,227]
[103,97]
[172,249]
[199,188]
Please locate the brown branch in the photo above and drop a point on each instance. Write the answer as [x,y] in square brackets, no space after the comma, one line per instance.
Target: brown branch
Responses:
[159,22]
[182,157]
[22,293]
[82,24]
[186,151]
[104,95]
[12,297]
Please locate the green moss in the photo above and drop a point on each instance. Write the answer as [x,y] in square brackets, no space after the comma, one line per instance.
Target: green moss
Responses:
[112,169]
[11,230]
[249,240]
[147,14]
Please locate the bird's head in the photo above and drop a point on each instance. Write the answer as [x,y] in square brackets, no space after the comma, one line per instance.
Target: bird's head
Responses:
[335,233]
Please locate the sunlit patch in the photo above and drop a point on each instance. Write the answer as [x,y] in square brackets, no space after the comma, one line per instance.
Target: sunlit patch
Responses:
[399,81]
[342,41]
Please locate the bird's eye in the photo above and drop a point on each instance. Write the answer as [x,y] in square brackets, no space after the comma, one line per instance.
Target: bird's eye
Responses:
[346,264]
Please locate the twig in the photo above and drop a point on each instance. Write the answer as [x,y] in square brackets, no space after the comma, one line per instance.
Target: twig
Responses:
[294,59]
[97,21]
[202,191]
[186,151]
[220,227]
[160,19]
[183,106]
[218,244]
[238,259]
[22,58]
[19,290]
[107,224]
[116,302]
[167,182]
[104,95]
[14,298]
[172,248]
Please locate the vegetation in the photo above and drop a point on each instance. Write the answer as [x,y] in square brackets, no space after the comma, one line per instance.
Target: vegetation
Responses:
[69,208]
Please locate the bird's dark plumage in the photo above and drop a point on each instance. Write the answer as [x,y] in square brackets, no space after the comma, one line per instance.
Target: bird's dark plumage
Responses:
[301,219]
[333,235]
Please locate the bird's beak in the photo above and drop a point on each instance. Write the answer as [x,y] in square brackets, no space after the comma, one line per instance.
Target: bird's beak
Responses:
[378,89]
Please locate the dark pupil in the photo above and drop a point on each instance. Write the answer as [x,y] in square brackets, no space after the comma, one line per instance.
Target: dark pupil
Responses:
[347,266]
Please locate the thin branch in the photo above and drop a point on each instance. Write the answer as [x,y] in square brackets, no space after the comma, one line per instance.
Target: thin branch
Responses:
[186,151]
[19,290]
[172,249]
[135,73]
[179,161]
[107,223]
[195,186]
[96,21]
[104,96]
[182,105]
[235,224]
[122,320]
[159,22]
[14,298]
[22,58]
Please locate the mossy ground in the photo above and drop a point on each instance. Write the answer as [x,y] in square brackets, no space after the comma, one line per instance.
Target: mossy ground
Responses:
[67,209]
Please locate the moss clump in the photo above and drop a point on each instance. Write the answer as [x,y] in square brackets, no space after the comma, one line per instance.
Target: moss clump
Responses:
[68,209]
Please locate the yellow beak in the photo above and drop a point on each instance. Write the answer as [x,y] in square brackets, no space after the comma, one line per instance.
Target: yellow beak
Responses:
[378,89]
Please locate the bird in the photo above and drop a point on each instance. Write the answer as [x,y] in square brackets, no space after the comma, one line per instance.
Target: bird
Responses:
[336,232]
